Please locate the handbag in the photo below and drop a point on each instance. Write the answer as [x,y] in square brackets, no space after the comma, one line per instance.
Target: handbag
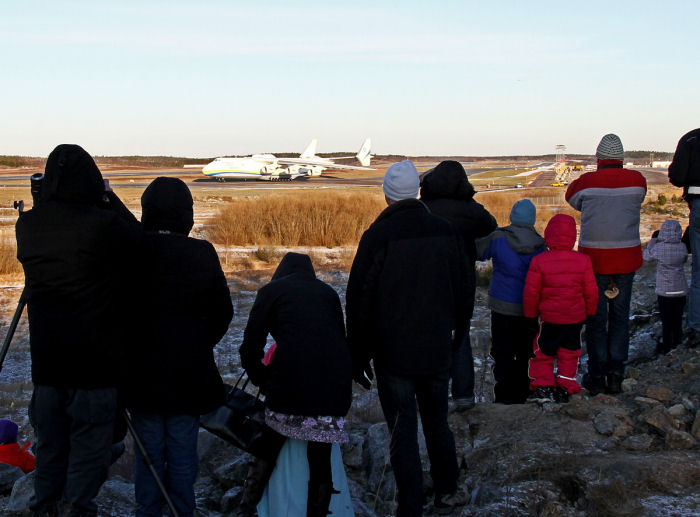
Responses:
[240,421]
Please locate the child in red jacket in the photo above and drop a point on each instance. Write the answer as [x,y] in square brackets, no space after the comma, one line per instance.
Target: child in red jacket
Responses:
[10,451]
[561,289]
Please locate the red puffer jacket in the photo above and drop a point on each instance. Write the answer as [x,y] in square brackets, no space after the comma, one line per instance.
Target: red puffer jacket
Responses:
[12,454]
[560,286]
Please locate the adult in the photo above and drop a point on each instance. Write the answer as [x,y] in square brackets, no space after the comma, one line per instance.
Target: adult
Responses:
[307,383]
[511,249]
[408,302]
[447,192]
[170,374]
[610,200]
[684,172]
[77,246]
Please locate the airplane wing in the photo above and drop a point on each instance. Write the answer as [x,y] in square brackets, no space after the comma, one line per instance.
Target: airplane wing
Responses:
[321,163]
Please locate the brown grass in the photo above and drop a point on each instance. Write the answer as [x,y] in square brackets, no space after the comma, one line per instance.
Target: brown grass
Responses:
[9,265]
[313,219]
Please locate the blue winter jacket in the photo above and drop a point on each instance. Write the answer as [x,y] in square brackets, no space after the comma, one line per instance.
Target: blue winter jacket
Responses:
[511,249]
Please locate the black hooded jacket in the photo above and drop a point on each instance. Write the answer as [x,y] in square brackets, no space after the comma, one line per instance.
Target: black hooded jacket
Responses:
[448,193]
[684,171]
[79,258]
[409,293]
[310,373]
[185,311]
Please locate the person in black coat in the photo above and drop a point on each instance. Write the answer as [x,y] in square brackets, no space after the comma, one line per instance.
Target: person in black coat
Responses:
[170,373]
[409,297]
[308,381]
[78,246]
[448,193]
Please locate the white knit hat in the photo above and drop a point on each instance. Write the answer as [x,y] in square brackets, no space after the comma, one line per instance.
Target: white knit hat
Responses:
[610,148]
[401,181]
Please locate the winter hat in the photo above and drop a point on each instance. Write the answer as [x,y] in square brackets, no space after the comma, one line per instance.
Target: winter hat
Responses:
[523,212]
[610,148]
[72,176]
[401,181]
[167,205]
[8,431]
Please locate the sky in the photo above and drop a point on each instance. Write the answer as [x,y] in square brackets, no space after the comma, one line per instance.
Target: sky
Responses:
[210,78]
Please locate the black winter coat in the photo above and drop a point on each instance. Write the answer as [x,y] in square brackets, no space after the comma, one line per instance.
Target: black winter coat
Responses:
[310,373]
[684,171]
[449,194]
[79,259]
[186,310]
[409,294]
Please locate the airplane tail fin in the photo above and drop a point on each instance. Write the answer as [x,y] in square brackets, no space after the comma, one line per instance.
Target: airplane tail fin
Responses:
[310,151]
[363,155]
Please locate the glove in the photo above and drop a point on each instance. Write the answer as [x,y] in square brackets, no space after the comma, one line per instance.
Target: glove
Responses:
[364,376]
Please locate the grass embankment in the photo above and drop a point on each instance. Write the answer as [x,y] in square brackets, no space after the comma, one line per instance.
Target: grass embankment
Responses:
[9,265]
[328,219]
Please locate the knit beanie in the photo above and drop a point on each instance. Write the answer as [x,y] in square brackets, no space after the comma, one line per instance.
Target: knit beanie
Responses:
[610,148]
[8,431]
[167,206]
[523,212]
[401,181]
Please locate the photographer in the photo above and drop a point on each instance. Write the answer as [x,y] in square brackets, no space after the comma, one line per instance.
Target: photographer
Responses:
[77,246]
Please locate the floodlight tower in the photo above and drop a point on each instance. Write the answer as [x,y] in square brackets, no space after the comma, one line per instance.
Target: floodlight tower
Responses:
[560,150]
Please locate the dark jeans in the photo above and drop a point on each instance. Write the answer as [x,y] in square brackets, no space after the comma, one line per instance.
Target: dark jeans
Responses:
[511,348]
[463,370]
[694,234]
[608,331]
[171,443]
[74,430]
[671,308]
[398,396]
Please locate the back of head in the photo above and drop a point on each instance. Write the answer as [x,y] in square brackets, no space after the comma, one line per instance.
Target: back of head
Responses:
[401,181]
[8,431]
[294,263]
[447,180]
[560,232]
[670,231]
[523,213]
[167,206]
[610,148]
[71,175]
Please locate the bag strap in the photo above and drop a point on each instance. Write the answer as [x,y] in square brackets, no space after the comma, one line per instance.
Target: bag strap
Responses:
[240,377]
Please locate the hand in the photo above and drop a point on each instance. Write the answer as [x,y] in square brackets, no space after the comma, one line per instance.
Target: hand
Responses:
[364,377]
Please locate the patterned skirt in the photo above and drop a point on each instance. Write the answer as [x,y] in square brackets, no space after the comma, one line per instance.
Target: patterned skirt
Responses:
[327,429]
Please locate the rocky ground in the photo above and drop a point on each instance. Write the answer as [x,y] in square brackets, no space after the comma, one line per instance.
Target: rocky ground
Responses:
[633,454]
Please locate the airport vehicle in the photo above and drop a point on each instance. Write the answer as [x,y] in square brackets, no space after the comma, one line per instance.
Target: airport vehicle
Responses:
[270,167]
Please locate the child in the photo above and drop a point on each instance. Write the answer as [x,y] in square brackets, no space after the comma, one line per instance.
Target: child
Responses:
[511,248]
[10,451]
[561,289]
[671,285]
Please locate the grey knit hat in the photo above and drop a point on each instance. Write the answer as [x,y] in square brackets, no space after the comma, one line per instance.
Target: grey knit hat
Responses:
[610,148]
[401,181]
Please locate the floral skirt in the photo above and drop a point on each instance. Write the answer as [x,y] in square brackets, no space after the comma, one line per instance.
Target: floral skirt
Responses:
[326,429]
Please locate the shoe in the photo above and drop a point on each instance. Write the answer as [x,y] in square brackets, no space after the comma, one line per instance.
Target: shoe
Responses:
[464,404]
[446,503]
[594,385]
[561,396]
[542,394]
[614,384]
[692,338]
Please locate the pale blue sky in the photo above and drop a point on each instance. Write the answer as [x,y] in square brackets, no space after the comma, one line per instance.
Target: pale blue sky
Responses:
[466,77]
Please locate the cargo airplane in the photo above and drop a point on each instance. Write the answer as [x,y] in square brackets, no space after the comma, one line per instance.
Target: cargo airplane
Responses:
[270,167]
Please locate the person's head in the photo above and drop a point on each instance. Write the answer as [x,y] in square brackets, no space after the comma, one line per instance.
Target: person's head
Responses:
[610,148]
[447,180]
[560,233]
[523,213]
[71,175]
[167,206]
[401,182]
[294,263]
[8,431]
[670,231]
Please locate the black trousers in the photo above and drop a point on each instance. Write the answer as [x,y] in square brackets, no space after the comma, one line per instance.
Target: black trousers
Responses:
[671,308]
[74,430]
[511,349]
